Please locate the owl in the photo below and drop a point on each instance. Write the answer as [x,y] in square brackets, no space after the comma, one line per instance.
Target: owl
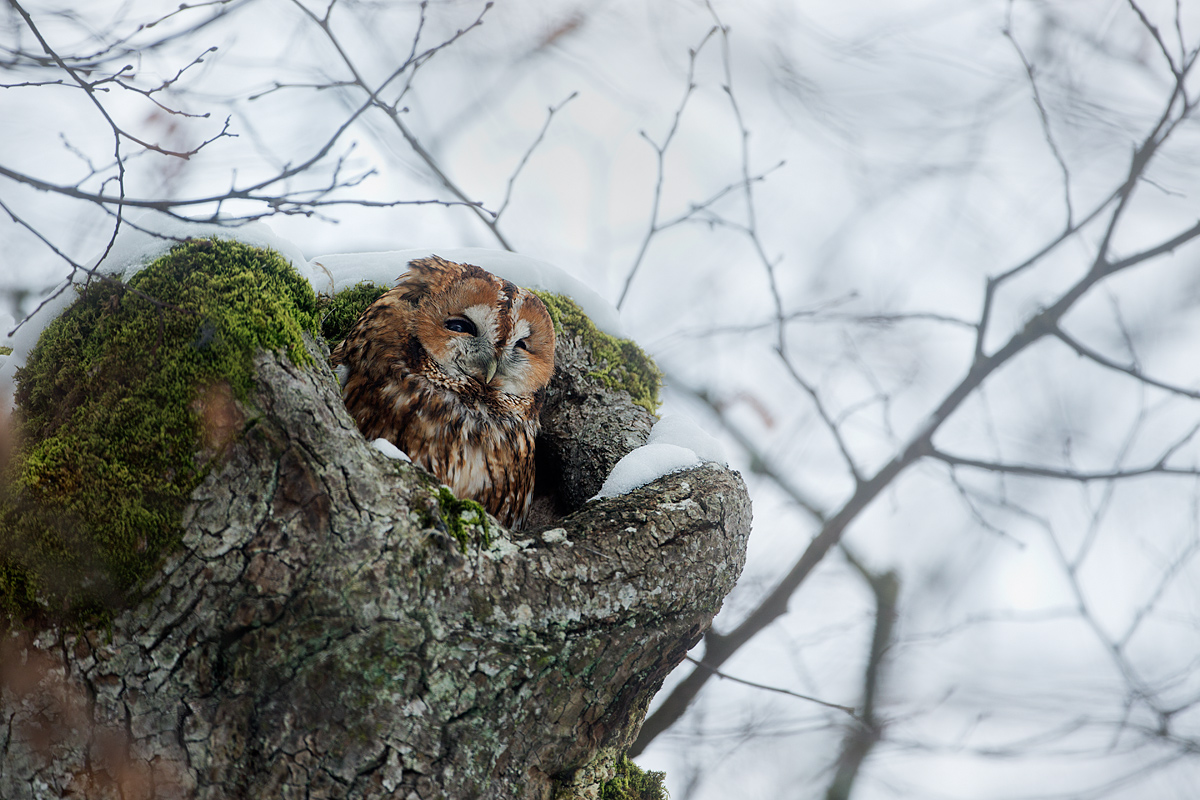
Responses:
[451,366]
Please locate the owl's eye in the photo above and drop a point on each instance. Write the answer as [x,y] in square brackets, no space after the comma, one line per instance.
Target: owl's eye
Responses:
[520,345]
[461,325]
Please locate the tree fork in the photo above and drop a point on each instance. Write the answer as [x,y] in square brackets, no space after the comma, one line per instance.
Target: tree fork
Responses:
[320,633]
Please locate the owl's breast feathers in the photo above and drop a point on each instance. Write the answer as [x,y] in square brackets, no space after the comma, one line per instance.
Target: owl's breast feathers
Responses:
[478,442]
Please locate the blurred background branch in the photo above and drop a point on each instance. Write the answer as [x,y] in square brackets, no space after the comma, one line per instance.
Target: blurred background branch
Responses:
[862,736]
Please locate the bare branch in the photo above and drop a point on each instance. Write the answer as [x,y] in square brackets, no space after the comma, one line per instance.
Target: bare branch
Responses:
[1169,246]
[1043,117]
[748,185]
[822,315]
[994,283]
[660,152]
[1067,474]
[149,94]
[91,87]
[75,76]
[862,737]
[121,48]
[696,211]
[394,113]
[1158,39]
[1168,577]
[529,152]
[830,423]
[845,709]
[1132,370]
[288,203]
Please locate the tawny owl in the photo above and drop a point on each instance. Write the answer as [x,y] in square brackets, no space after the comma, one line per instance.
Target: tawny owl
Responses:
[451,366]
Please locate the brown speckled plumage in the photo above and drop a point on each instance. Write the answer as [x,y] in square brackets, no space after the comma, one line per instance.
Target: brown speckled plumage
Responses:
[451,366]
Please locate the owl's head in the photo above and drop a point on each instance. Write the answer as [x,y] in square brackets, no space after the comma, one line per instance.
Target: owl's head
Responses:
[480,327]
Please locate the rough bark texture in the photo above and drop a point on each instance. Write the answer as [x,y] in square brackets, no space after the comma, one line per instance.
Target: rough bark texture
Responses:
[321,633]
[587,427]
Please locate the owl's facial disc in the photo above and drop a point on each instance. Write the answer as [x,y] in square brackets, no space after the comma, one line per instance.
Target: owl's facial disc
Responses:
[489,332]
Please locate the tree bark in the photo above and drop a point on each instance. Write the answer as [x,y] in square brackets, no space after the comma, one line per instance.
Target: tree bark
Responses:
[322,634]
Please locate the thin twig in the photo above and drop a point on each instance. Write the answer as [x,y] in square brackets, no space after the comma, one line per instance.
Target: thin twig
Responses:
[660,153]
[393,113]
[1043,116]
[512,179]
[1067,474]
[844,709]
[1133,371]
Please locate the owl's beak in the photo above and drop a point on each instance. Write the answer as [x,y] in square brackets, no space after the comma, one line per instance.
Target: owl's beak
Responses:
[484,367]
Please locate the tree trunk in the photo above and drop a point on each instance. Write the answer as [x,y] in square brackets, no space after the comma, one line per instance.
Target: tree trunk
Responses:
[334,625]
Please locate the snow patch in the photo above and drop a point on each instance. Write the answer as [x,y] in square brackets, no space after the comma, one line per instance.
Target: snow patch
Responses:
[645,464]
[390,450]
[335,272]
[679,430]
[676,443]
[145,239]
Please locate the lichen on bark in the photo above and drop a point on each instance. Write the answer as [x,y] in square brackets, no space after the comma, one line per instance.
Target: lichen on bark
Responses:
[318,629]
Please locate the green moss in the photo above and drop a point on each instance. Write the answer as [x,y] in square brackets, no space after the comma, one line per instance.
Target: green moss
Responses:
[624,366]
[461,516]
[110,420]
[339,313]
[633,783]
[5,351]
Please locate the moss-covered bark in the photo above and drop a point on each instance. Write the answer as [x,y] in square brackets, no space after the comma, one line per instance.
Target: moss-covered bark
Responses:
[116,424]
[328,624]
